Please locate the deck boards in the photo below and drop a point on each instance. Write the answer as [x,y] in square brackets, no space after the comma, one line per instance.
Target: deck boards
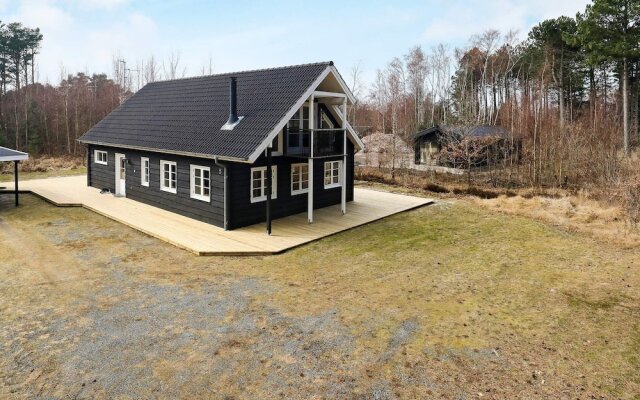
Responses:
[205,239]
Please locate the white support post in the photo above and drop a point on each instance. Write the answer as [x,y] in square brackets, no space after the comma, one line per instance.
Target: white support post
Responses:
[311,132]
[344,157]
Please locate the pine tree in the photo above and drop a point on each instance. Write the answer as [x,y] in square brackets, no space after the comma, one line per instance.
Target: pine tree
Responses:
[609,30]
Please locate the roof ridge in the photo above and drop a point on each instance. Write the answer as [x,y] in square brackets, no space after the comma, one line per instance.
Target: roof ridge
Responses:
[327,63]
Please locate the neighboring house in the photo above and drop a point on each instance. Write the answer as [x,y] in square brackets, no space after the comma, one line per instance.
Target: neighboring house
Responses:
[205,147]
[385,150]
[428,143]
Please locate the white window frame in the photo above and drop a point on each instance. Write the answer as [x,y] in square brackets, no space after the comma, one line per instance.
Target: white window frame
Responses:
[300,117]
[325,120]
[295,175]
[162,186]
[98,160]
[145,171]
[192,185]
[332,165]
[274,183]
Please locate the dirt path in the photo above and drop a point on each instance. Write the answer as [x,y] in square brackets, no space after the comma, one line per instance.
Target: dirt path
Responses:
[25,246]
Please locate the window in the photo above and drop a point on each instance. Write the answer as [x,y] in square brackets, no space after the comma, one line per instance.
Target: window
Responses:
[332,171]
[299,178]
[200,183]
[298,131]
[300,120]
[258,183]
[325,121]
[169,177]
[100,157]
[144,171]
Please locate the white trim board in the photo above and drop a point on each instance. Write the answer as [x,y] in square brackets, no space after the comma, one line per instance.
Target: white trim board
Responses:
[343,84]
[352,133]
[258,151]
[311,90]
[15,158]
[20,156]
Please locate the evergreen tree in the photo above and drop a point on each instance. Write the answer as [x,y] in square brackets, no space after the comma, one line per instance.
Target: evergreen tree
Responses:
[553,38]
[609,30]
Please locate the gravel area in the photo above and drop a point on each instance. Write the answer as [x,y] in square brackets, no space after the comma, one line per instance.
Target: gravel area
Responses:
[444,302]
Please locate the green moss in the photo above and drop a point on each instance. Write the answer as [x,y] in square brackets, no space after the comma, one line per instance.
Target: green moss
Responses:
[580,301]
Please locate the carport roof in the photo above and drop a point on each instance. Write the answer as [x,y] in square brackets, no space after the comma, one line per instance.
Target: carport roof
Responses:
[12,155]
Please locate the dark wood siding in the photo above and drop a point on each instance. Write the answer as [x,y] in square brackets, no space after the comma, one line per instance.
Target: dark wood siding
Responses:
[181,202]
[102,176]
[243,212]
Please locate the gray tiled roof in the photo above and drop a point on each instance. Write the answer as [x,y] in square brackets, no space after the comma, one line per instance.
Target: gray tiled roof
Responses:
[185,115]
[8,153]
[471,130]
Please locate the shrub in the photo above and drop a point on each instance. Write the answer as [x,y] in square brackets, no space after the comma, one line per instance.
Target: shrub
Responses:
[631,198]
[478,192]
[435,188]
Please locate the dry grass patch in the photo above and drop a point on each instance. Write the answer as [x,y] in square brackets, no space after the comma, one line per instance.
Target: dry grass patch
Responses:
[44,167]
[606,222]
[447,301]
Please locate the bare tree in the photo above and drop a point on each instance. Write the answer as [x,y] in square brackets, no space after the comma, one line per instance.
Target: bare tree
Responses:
[151,70]
[417,68]
[461,149]
[172,68]
[356,89]
[207,69]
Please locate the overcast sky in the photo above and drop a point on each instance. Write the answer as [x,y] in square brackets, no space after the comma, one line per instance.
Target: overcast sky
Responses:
[83,35]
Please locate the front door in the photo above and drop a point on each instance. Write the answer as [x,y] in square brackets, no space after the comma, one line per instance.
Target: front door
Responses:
[121,163]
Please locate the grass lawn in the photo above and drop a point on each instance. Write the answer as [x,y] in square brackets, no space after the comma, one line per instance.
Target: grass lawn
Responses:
[8,177]
[447,301]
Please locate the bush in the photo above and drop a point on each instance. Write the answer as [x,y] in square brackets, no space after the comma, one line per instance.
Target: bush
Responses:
[435,188]
[631,199]
[478,192]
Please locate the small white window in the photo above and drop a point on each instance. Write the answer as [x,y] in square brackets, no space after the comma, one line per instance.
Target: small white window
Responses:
[200,183]
[259,181]
[332,172]
[299,178]
[100,157]
[144,171]
[169,176]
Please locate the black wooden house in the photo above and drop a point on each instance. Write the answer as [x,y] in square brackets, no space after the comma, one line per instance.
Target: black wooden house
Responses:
[231,149]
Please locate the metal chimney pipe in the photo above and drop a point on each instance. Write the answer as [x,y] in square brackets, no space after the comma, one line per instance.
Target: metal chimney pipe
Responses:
[233,104]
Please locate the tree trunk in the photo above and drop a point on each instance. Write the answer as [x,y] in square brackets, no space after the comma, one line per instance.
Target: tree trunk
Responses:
[561,91]
[625,106]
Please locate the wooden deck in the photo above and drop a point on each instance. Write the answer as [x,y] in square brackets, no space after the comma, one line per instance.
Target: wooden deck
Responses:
[205,239]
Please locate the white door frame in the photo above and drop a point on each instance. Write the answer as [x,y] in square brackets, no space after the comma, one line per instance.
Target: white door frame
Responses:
[120,184]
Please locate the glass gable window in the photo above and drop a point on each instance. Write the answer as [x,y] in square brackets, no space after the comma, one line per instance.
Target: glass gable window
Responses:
[298,131]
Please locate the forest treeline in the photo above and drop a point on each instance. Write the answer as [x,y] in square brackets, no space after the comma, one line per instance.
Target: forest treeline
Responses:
[568,93]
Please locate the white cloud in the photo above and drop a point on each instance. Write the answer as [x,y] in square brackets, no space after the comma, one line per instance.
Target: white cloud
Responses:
[42,14]
[133,38]
[460,20]
[101,4]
